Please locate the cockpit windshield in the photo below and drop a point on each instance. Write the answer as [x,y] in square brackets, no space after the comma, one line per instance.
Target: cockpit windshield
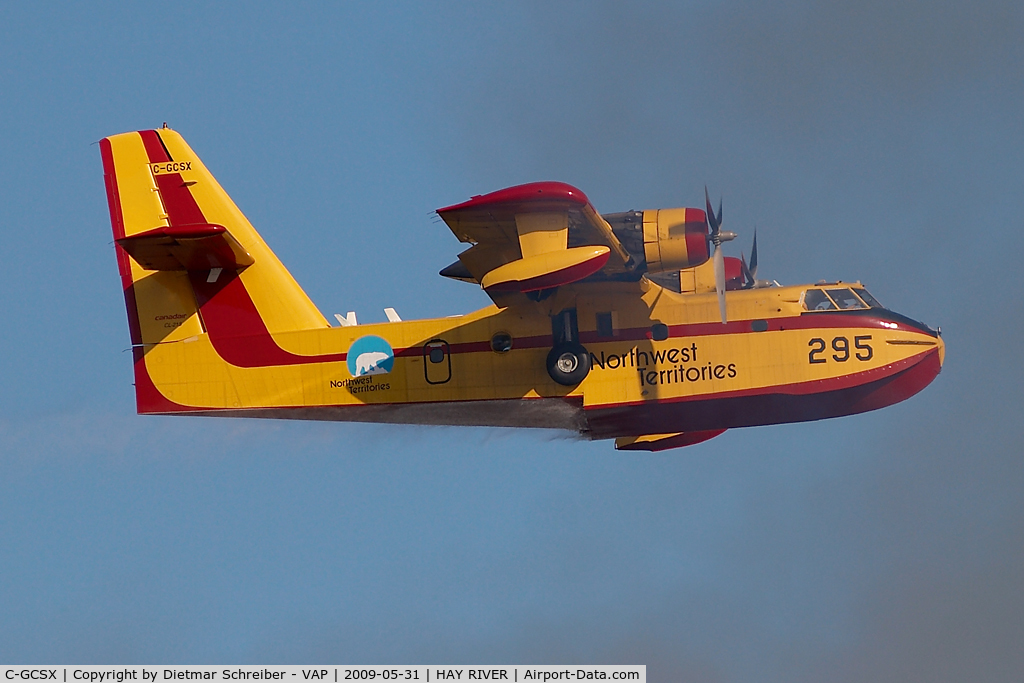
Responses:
[868,299]
[839,299]
[845,299]
[817,300]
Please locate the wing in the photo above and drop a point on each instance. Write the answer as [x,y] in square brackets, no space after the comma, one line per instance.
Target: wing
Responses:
[521,237]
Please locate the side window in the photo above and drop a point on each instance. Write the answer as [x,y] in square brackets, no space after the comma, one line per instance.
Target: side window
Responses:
[604,325]
[501,342]
[816,300]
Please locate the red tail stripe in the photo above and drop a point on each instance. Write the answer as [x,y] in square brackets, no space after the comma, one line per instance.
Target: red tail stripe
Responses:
[181,206]
[114,206]
[237,331]
[148,398]
[155,149]
[113,200]
[117,226]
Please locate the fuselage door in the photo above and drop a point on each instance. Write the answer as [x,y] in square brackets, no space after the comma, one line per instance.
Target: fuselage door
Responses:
[437,361]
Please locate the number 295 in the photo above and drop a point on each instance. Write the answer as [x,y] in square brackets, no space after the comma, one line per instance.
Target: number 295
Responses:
[841,349]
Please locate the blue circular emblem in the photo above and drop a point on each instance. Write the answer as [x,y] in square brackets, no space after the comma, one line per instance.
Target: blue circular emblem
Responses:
[370,356]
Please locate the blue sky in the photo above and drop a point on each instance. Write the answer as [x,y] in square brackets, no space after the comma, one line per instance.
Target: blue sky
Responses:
[863,140]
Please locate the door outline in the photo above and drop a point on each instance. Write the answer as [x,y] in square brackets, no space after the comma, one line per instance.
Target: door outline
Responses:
[442,368]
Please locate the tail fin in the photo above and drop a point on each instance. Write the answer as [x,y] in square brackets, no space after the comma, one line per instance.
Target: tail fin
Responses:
[190,261]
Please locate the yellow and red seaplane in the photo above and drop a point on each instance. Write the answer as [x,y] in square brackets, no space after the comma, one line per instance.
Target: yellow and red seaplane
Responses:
[632,326]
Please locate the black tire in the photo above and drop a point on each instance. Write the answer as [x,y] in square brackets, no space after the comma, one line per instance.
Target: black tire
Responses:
[568,364]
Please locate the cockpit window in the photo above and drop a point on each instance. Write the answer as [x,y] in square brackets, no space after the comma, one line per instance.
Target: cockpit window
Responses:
[868,299]
[816,300]
[845,299]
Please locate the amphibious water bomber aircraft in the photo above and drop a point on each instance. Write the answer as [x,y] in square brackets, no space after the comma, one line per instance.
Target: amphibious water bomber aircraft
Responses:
[632,326]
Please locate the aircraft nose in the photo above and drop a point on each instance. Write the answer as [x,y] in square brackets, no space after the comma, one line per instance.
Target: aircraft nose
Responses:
[942,350]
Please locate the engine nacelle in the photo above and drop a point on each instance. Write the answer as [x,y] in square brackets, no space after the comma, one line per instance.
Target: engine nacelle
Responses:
[675,239]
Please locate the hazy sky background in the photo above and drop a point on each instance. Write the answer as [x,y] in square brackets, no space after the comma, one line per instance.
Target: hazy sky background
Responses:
[864,140]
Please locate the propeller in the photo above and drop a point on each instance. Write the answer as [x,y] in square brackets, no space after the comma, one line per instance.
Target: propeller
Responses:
[716,237]
[750,280]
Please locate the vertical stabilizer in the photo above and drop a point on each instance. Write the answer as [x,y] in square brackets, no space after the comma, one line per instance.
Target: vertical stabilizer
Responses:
[190,261]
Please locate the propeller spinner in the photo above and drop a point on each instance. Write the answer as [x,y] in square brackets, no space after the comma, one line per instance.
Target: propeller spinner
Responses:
[716,237]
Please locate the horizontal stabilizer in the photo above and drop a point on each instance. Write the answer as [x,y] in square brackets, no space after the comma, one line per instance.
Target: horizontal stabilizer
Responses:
[663,442]
[186,247]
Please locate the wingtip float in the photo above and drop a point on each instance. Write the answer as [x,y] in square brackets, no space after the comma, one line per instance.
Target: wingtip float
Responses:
[630,326]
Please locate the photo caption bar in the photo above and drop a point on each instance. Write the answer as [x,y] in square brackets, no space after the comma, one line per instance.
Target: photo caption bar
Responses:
[326,673]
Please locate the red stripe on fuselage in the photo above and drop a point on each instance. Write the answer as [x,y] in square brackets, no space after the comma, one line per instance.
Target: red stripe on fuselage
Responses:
[239,335]
[797,322]
[679,332]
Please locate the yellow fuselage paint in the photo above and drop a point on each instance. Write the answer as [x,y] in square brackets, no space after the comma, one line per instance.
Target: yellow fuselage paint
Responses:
[189,371]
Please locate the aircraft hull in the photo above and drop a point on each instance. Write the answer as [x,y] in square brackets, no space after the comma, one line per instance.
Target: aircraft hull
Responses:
[219,327]
[803,402]
[770,405]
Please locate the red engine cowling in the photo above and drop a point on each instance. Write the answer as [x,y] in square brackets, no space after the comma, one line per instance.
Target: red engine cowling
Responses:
[675,239]
[733,273]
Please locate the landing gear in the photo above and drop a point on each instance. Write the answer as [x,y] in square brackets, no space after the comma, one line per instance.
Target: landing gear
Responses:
[568,363]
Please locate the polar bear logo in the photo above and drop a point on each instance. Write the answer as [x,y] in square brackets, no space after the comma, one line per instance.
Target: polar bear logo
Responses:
[371,362]
[370,355]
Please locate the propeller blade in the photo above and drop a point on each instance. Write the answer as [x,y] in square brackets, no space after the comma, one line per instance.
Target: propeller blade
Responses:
[753,258]
[720,280]
[748,277]
[713,222]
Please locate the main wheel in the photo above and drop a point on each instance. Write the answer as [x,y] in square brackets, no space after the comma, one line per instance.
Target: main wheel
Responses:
[568,364]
